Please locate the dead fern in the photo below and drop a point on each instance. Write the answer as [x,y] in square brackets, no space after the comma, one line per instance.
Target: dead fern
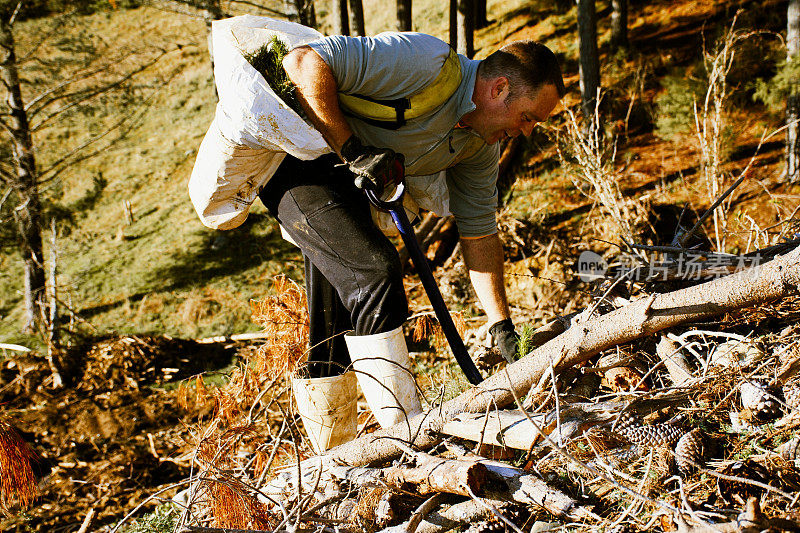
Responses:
[426,326]
[17,482]
[284,318]
[232,500]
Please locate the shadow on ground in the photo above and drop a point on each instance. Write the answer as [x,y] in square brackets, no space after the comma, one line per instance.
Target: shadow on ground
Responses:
[226,253]
[214,254]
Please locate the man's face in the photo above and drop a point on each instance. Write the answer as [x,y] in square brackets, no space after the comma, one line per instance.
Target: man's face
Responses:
[503,117]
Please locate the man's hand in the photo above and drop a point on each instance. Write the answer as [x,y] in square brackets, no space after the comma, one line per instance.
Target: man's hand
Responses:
[505,338]
[375,168]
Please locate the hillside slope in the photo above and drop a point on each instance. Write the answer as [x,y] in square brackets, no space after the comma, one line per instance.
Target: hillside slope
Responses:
[165,273]
[125,429]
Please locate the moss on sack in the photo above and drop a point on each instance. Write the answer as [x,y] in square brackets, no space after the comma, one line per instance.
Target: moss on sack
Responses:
[268,61]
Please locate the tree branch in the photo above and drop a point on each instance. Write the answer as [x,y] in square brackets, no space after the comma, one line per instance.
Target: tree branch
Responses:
[90,94]
[754,286]
[81,75]
[54,169]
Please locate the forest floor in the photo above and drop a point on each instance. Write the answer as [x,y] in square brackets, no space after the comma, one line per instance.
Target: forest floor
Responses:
[129,421]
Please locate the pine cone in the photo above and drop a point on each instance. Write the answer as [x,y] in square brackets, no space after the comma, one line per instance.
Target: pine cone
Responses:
[790,450]
[620,456]
[791,393]
[689,451]
[655,435]
[623,422]
[485,526]
[760,399]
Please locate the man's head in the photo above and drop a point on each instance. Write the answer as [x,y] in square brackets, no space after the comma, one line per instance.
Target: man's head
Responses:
[517,87]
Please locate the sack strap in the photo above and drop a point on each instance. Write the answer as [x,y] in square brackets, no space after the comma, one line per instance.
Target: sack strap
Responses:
[392,114]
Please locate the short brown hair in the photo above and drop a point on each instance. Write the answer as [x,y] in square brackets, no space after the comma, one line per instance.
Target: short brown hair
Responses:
[527,64]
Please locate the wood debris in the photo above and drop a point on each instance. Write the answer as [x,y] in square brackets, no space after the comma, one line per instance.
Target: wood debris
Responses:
[662,450]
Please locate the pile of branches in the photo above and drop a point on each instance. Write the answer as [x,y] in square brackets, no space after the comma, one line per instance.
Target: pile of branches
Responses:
[645,416]
[132,362]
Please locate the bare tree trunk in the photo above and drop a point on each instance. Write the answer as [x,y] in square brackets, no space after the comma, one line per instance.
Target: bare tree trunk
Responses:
[793,101]
[53,341]
[308,16]
[466,28]
[301,11]
[480,14]
[563,6]
[404,15]
[619,24]
[356,17]
[453,12]
[589,59]
[211,11]
[341,24]
[28,213]
[292,9]
[775,279]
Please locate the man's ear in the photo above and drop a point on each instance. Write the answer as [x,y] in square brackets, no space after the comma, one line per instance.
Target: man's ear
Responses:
[499,88]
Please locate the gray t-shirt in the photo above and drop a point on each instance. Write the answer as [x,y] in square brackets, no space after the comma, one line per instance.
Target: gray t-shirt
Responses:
[396,65]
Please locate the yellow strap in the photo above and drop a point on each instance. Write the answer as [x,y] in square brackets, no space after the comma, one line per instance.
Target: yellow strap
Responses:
[421,103]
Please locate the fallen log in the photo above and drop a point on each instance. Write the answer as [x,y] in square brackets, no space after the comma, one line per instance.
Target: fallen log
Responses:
[410,525]
[775,279]
[521,431]
[432,474]
[670,354]
[454,516]
[519,486]
[750,520]
[498,428]
[468,477]
[428,474]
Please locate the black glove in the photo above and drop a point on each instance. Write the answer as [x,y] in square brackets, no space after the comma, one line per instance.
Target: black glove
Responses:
[505,338]
[375,168]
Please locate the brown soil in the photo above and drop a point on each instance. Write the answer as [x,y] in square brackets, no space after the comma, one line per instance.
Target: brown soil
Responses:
[108,441]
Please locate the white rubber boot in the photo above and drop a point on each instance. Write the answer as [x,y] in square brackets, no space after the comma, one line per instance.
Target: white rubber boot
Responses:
[328,408]
[383,370]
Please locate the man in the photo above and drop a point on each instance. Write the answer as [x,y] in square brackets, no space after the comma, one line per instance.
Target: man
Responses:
[459,109]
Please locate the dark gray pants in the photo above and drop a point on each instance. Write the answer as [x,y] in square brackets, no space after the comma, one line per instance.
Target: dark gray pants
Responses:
[353,275]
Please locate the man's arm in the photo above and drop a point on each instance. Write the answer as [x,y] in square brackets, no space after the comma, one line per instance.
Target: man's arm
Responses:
[317,93]
[483,257]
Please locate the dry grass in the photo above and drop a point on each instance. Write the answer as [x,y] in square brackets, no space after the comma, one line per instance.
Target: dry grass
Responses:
[364,513]
[710,118]
[590,160]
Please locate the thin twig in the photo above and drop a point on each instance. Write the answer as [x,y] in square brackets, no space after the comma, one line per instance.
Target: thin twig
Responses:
[581,464]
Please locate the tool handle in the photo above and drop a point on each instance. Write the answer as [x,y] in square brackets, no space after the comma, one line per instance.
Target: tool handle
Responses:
[390,204]
[394,206]
[432,290]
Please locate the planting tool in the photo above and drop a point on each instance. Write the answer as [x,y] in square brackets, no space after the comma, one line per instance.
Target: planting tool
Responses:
[394,206]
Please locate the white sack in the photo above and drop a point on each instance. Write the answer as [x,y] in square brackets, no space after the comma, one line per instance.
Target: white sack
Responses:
[253,128]
[227,177]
